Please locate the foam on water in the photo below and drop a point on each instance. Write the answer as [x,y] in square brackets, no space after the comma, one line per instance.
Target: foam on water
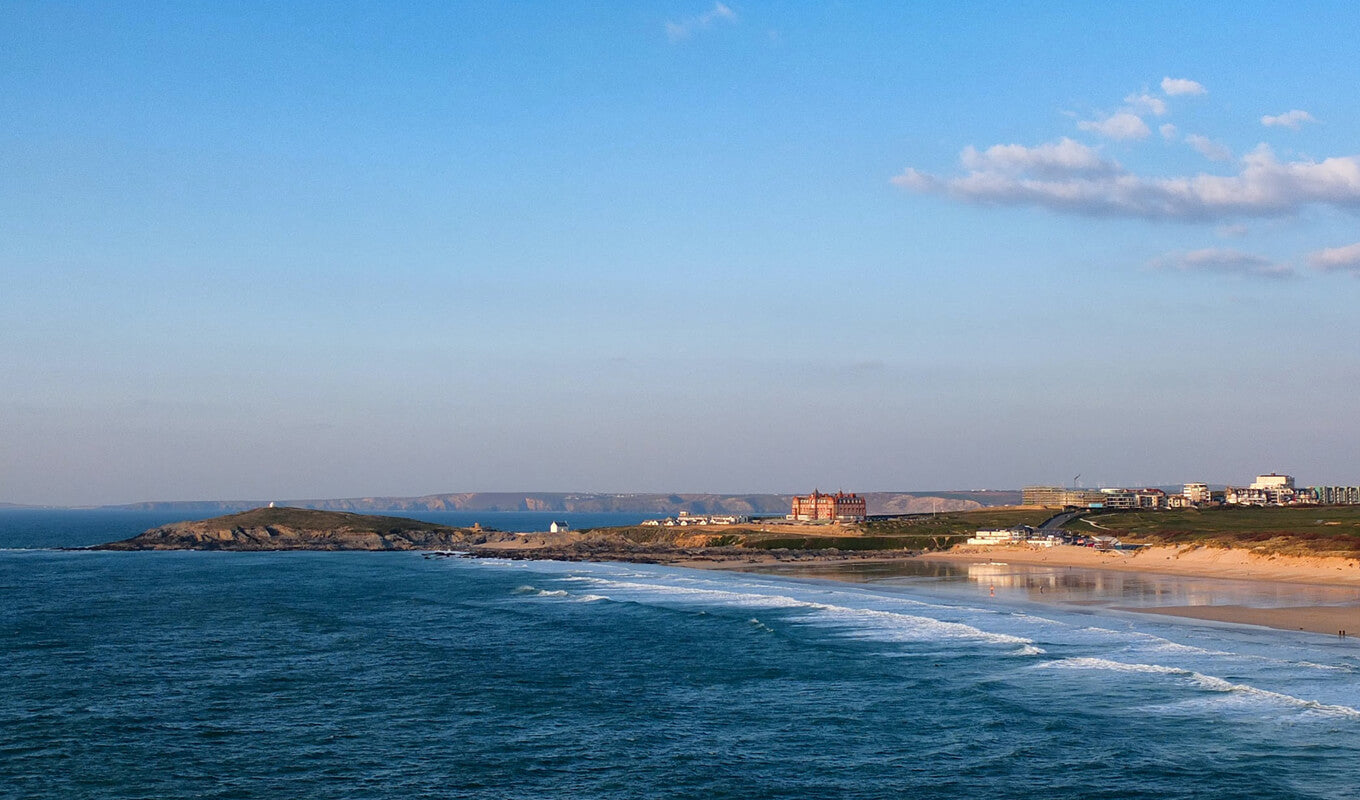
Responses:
[1208,683]
[854,621]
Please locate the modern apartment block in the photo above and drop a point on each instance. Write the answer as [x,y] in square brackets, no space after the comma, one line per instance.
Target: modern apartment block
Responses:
[1197,493]
[1272,489]
[1336,495]
[1060,496]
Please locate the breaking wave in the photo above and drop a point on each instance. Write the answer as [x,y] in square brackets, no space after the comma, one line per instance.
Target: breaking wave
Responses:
[1208,683]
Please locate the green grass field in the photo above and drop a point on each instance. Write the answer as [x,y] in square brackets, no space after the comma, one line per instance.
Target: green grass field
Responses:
[312,519]
[920,532]
[1316,529]
[957,523]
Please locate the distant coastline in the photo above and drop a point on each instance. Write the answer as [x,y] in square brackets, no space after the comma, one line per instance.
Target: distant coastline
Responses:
[583,503]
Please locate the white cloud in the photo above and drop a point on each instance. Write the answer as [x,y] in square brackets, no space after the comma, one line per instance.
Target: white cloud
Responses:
[1263,186]
[1146,103]
[1224,260]
[1180,86]
[1168,131]
[1289,119]
[1232,231]
[1338,259]
[1123,125]
[685,27]
[1063,157]
[1208,148]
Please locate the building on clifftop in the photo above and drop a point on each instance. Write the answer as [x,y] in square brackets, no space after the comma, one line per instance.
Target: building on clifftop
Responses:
[838,507]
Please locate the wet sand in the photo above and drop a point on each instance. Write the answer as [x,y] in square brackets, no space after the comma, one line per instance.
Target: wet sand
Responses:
[1317,619]
[1202,562]
[1240,589]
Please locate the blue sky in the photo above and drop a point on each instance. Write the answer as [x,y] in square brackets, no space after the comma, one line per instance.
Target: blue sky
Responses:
[332,249]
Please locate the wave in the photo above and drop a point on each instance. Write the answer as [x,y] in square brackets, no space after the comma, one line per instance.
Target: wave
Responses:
[857,622]
[1207,683]
[875,614]
[762,626]
[537,592]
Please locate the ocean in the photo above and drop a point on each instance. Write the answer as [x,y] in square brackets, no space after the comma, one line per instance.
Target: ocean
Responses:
[401,675]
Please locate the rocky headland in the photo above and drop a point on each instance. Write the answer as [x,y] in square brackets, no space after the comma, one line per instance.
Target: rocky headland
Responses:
[302,529]
[268,529]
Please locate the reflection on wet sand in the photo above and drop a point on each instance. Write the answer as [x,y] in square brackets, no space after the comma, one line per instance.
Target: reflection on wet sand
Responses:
[1078,585]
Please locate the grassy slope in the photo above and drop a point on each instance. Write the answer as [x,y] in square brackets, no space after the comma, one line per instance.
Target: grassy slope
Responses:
[310,519]
[923,532]
[1304,530]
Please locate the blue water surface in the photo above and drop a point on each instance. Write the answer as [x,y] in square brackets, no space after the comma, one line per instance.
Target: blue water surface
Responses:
[398,675]
[30,528]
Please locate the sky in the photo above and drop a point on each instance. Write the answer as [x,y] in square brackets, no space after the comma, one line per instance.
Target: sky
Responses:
[331,249]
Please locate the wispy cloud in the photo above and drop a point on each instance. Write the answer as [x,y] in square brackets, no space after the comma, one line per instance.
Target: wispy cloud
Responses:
[1263,186]
[1168,131]
[1119,126]
[1208,148]
[1146,103]
[1174,87]
[1337,259]
[686,27]
[1063,157]
[1289,119]
[1223,260]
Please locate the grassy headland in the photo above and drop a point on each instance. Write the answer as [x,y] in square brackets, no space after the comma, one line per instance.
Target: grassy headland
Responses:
[916,532]
[1303,530]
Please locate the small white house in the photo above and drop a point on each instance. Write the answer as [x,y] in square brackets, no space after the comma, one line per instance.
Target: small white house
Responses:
[558,527]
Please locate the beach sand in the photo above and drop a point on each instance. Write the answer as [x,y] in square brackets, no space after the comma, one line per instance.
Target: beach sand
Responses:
[1316,619]
[1200,562]
[1315,594]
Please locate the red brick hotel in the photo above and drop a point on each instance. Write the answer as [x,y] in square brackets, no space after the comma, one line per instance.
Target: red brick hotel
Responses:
[838,507]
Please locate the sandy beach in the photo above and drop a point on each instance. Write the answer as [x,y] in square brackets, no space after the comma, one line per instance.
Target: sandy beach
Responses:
[1316,619]
[1319,595]
[1201,562]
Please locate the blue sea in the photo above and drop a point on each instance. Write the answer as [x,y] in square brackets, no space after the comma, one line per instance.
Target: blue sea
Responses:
[401,675]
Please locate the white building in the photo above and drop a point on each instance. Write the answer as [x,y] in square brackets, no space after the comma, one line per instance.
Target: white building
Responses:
[558,527]
[1273,481]
[1197,493]
[1000,536]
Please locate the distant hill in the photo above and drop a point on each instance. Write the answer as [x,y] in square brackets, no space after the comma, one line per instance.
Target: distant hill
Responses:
[588,503]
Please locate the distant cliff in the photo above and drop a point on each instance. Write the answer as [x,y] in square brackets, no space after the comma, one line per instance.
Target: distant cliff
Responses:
[586,503]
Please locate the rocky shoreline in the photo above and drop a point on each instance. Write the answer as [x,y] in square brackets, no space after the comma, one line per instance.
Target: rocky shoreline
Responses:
[279,529]
[675,555]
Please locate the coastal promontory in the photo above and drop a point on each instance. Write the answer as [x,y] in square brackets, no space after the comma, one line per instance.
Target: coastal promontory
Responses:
[301,529]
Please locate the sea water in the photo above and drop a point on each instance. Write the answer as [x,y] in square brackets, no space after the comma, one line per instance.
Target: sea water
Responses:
[399,675]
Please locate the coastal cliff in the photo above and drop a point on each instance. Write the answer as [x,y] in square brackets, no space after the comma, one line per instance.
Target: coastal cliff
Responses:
[594,503]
